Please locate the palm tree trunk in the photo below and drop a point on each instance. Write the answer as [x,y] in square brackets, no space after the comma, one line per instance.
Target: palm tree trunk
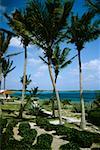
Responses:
[4,83]
[56,92]
[24,81]
[83,121]
[0,74]
[53,100]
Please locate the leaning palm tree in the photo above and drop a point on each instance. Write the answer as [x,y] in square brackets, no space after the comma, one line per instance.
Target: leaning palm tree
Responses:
[46,23]
[82,30]
[59,62]
[6,69]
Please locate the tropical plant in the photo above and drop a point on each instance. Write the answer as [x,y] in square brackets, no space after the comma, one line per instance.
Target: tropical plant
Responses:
[46,22]
[82,30]
[59,62]
[93,6]
[34,91]
[16,21]
[6,69]
[5,38]
[28,80]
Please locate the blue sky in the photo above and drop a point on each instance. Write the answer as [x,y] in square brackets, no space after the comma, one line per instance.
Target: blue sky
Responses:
[69,77]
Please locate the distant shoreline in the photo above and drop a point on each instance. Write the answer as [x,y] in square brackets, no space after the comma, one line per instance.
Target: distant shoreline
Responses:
[58,90]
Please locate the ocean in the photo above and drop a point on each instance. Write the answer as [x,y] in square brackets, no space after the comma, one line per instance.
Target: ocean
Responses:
[74,96]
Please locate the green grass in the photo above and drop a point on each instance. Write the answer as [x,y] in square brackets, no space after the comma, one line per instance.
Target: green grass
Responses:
[71,125]
[10,107]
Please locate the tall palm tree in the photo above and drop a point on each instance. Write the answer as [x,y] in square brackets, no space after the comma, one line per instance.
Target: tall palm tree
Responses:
[59,62]
[46,23]
[17,23]
[82,30]
[6,69]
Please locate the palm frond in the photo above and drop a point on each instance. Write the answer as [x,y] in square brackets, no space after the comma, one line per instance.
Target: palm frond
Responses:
[93,6]
[43,60]
[65,64]
[13,54]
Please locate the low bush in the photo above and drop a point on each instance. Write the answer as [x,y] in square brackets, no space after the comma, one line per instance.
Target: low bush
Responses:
[66,131]
[94,116]
[44,141]
[24,128]
[42,122]
[69,146]
[27,133]
[30,136]
[82,138]
[3,123]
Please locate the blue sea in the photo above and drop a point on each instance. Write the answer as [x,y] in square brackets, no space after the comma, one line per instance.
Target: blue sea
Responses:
[74,96]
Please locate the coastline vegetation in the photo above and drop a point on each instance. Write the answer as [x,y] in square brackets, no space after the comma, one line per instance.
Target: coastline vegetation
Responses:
[47,25]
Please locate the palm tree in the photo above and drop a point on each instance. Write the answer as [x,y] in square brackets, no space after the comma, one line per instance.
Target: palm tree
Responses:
[82,30]
[6,69]
[46,23]
[59,62]
[5,38]
[28,80]
[94,6]
[16,22]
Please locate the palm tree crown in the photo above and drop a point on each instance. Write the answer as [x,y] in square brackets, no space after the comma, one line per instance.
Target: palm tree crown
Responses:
[46,22]
[28,80]
[82,29]
[6,68]
[59,59]
[4,42]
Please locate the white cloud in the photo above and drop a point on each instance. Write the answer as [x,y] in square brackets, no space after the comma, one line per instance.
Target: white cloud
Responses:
[92,65]
[42,71]
[90,71]
[33,61]
[16,42]
[43,68]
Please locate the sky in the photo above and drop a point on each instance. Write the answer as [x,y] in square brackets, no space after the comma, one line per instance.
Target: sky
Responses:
[68,78]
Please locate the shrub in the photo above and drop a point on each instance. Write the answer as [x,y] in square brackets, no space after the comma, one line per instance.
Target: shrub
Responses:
[24,128]
[62,130]
[42,122]
[3,123]
[43,142]
[28,133]
[82,138]
[94,116]
[69,146]
[30,136]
